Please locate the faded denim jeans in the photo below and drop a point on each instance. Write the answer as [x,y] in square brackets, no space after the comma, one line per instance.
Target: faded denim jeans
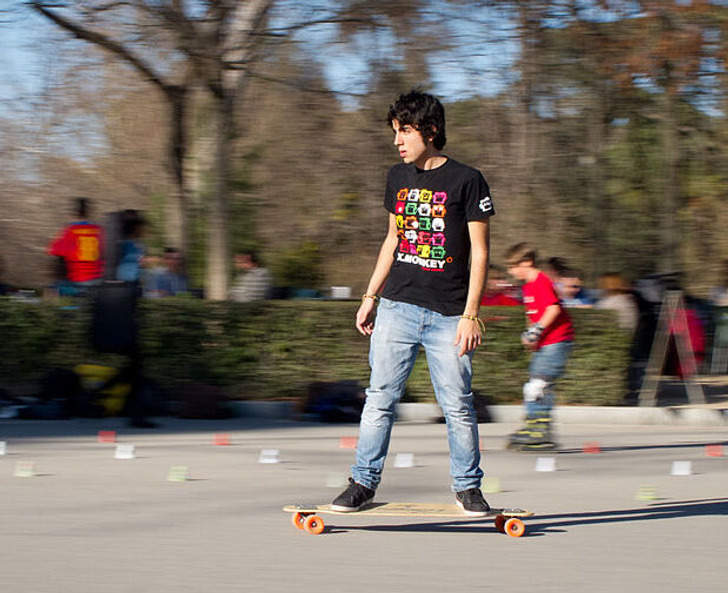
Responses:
[399,330]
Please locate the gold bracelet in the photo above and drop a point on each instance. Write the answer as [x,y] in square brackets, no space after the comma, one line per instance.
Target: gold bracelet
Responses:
[374,297]
[479,321]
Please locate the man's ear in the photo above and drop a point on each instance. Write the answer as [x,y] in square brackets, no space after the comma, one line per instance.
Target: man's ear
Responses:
[430,134]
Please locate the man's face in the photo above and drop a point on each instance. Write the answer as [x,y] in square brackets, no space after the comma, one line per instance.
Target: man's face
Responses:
[409,142]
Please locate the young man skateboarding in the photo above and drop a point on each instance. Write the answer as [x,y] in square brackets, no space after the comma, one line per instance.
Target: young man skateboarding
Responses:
[429,280]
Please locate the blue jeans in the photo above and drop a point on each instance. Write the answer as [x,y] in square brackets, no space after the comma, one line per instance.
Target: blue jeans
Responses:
[548,364]
[399,330]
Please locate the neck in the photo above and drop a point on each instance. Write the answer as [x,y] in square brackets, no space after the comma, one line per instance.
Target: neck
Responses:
[431,159]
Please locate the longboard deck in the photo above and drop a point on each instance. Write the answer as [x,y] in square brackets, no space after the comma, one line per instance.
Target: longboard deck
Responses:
[407,509]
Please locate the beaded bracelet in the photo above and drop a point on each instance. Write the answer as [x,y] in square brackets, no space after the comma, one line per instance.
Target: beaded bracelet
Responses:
[374,297]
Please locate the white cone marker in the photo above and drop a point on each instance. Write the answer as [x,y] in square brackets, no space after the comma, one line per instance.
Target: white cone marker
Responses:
[124,452]
[681,468]
[404,460]
[269,456]
[546,464]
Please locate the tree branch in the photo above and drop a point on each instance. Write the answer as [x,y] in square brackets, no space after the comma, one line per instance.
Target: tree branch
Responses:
[103,41]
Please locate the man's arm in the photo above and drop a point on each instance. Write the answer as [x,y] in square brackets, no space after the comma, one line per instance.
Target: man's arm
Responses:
[468,334]
[364,317]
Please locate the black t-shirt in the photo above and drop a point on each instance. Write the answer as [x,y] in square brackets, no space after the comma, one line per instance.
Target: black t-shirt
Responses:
[432,209]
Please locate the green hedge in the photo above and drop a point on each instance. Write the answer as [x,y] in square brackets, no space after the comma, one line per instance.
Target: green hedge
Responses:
[273,350]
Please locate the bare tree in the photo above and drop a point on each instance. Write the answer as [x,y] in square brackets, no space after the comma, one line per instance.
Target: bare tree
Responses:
[214,48]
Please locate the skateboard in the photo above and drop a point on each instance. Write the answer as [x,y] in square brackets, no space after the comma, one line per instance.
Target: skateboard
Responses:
[307,517]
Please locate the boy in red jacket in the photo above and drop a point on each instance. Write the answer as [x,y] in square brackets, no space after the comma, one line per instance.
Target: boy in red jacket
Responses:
[550,336]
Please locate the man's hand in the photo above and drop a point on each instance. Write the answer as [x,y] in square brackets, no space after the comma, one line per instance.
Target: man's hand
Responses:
[468,335]
[365,317]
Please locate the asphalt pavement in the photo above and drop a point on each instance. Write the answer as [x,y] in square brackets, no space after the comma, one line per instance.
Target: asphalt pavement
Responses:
[611,517]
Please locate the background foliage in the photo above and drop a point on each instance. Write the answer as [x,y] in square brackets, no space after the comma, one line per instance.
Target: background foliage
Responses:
[600,125]
[273,350]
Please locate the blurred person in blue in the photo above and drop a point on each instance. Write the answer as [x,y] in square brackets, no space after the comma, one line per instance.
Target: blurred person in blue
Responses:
[428,279]
[550,337]
[168,280]
[573,294]
[131,257]
[252,281]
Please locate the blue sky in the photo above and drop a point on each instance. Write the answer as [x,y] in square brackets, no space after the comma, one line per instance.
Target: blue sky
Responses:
[21,64]
[455,74]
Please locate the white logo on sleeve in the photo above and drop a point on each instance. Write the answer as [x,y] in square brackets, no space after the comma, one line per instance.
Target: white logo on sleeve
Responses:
[486,204]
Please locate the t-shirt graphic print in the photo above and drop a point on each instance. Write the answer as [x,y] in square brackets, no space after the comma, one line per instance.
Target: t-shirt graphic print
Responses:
[420,215]
[432,209]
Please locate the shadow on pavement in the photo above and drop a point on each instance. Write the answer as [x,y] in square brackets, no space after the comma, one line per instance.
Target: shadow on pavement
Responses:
[645,447]
[541,525]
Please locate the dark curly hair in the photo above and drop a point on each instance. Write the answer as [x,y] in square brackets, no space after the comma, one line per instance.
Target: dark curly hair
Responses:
[423,112]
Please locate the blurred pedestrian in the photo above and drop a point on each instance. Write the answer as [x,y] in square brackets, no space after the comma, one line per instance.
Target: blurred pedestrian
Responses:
[573,294]
[252,281]
[169,280]
[132,250]
[550,337]
[79,251]
[616,295]
[499,291]
[431,270]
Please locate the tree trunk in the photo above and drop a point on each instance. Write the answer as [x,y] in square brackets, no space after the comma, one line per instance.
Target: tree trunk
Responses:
[216,281]
[176,207]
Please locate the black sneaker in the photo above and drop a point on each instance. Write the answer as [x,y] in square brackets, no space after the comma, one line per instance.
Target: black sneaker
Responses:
[472,502]
[353,498]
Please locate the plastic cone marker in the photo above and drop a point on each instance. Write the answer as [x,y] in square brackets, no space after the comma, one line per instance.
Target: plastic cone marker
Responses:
[221,439]
[107,436]
[491,485]
[178,473]
[124,452]
[404,460]
[714,450]
[24,469]
[647,493]
[592,448]
[269,456]
[546,464]
[681,468]
[348,443]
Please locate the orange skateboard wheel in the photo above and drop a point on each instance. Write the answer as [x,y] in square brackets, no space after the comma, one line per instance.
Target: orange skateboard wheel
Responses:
[298,520]
[313,524]
[514,527]
[500,523]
